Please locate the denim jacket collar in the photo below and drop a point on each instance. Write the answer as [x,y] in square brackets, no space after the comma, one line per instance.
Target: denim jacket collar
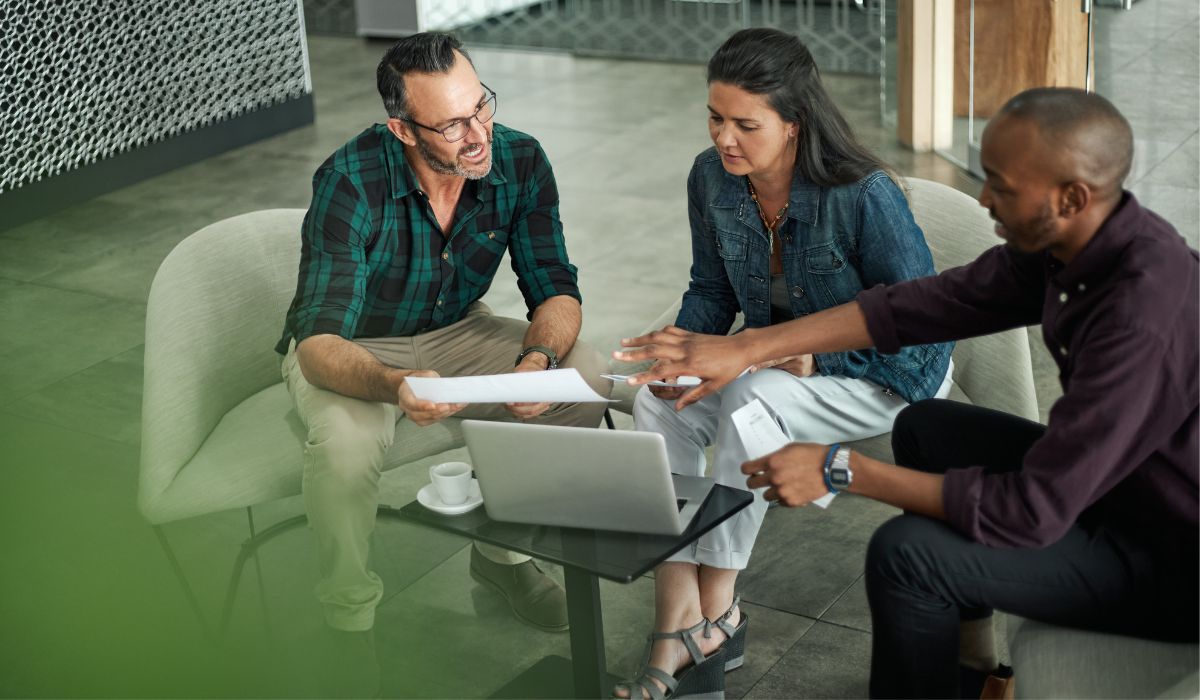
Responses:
[803,204]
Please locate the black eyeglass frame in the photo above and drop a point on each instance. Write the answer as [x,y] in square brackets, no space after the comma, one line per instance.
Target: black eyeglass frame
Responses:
[465,121]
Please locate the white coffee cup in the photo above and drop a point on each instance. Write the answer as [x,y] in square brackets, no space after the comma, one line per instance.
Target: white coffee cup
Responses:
[452,481]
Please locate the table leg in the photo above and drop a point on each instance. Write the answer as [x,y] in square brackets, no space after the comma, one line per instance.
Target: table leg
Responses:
[587,633]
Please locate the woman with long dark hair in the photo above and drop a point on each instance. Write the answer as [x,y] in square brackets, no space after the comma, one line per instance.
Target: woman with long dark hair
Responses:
[789,215]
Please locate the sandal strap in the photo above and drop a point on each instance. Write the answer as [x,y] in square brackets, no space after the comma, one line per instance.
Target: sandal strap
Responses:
[687,638]
[722,622]
[661,675]
[645,682]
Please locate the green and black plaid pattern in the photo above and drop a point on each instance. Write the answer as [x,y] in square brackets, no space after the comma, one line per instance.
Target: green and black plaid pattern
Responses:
[374,263]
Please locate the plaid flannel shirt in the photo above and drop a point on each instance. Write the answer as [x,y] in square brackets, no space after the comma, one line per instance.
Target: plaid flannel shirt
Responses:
[374,262]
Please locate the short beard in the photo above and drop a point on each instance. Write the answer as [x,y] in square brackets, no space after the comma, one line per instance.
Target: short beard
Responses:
[1034,235]
[444,167]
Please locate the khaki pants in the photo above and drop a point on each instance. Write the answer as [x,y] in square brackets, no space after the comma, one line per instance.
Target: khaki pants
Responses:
[348,438]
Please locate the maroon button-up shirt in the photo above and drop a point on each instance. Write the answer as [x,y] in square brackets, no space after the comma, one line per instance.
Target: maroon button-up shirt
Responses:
[1120,449]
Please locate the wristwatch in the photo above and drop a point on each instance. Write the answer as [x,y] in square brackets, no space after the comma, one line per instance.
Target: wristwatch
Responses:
[550,354]
[838,475]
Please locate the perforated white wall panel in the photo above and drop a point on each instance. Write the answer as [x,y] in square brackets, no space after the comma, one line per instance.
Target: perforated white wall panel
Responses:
[81,80]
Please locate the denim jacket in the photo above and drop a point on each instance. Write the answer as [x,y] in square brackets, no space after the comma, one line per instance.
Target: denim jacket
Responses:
[837,241]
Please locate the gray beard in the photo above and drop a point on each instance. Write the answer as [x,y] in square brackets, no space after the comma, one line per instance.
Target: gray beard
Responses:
[444,167]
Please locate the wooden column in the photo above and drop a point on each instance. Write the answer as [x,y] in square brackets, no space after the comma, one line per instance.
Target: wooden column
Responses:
[925,73]
[1019,44]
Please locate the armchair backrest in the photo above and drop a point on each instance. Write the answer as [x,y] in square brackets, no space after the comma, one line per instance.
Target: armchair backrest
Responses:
[215,312]
[994,371]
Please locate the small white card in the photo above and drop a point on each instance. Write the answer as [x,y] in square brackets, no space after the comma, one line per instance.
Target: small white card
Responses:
[684,381]
[761,436]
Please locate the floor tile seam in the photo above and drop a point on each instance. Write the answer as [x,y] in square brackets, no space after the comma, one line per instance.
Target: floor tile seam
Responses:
[43,387]
[841,595]
[1178,148]
[782,611]
[33,419]
[784,653]
[135,445]
[428,572]
[41,281]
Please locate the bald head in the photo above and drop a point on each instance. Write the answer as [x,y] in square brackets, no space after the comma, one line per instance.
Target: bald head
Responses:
[1083,136]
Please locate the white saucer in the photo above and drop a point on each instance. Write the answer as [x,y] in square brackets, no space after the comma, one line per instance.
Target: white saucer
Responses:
[428,497]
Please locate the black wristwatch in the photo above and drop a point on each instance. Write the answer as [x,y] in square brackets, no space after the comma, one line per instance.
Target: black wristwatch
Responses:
[550,354]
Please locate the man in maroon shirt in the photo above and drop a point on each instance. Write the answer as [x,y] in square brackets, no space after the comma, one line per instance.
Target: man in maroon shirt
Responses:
[1089,521]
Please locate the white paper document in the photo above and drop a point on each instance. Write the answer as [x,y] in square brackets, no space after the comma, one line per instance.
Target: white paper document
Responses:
[553,385]
[761,436]
[684,381]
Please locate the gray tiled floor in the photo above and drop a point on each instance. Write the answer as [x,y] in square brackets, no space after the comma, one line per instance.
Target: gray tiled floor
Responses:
[88,602]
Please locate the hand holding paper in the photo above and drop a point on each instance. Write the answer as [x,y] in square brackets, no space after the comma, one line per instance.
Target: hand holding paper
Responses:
[799,481]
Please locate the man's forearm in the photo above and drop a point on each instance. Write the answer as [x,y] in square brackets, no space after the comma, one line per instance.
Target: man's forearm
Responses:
[339,365]
[838,329]
[914,491]
[555,324]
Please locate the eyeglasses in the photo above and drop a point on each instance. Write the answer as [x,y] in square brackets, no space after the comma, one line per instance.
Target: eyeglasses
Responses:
[459,128]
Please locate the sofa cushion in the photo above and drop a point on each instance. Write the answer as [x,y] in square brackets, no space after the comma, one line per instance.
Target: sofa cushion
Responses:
[1059,662]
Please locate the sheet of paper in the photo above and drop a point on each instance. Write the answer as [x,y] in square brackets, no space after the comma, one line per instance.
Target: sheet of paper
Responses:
[685,380]
[554,385]
[761,436]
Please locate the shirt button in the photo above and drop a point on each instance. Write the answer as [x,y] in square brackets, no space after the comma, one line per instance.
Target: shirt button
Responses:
[797,292]
[1082,287]
[446,256]
[1062,349]
[1063,297]
[439,302]
[491,234]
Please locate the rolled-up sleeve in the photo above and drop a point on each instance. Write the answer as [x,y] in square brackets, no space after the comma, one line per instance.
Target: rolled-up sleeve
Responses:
[333,264]
[536,246]
[1104,428]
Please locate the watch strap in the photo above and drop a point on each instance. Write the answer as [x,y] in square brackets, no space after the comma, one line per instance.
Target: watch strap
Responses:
[550,355]
[838,475]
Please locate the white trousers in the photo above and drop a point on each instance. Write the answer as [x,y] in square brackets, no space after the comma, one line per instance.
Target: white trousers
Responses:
[816,409]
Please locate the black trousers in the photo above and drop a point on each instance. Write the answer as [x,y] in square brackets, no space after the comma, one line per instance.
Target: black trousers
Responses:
[923,576]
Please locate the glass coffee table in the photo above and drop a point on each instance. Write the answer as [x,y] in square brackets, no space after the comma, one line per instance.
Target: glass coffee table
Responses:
[586,556]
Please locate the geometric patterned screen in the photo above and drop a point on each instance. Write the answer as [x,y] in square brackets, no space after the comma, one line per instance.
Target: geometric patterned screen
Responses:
[844,35]
[82,80]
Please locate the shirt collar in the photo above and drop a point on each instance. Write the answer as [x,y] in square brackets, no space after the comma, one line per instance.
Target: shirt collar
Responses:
[803,202]
[1103,251]
[400,175]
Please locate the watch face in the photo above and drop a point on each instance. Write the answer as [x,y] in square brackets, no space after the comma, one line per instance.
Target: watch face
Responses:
[839,478]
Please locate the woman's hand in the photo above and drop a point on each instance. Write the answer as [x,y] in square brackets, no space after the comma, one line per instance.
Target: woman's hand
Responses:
[799,365]
[667,393]
[716,359]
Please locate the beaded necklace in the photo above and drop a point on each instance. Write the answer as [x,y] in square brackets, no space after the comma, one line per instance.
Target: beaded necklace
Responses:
[772,224]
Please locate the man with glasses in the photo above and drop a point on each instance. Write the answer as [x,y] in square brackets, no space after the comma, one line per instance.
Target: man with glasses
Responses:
[408,224]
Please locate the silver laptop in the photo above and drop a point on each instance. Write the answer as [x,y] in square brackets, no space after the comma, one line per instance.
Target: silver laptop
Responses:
[581,477]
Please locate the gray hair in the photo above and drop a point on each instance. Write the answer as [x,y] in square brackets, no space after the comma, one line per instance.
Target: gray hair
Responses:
[427,52]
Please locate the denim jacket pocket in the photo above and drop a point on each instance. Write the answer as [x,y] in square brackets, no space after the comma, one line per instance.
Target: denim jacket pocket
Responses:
[824,259]
[731,247]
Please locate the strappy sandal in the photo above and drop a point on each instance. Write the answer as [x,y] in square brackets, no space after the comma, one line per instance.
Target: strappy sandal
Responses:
[735,637]
[704,679]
